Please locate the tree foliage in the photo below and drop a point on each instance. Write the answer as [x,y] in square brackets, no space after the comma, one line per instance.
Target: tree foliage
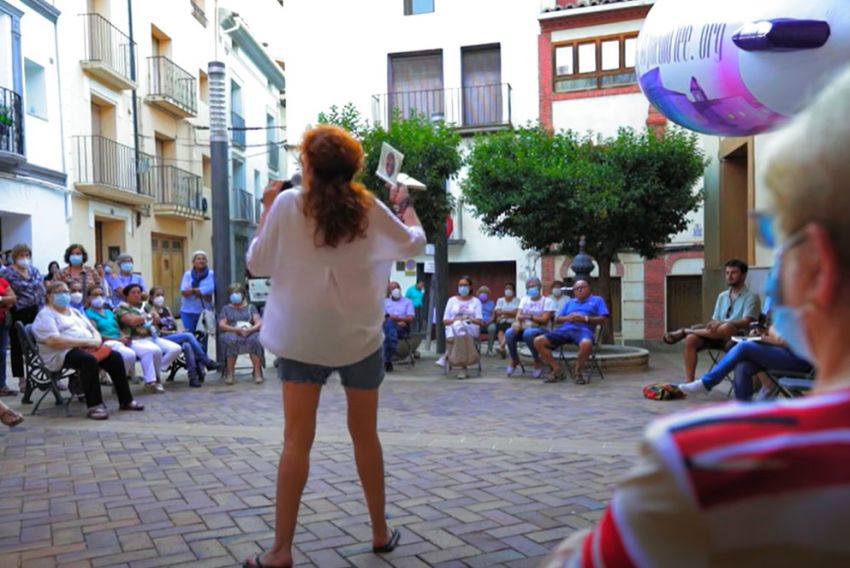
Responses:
[431,155]
[632,192]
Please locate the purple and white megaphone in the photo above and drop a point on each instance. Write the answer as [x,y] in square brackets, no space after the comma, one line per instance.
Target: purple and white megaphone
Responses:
[740,67]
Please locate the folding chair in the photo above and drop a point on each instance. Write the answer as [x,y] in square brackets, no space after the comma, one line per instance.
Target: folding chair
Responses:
[477,343]
[405,352]
[38,376]
[791,384]
[716,351]
[593,363]
[180,362]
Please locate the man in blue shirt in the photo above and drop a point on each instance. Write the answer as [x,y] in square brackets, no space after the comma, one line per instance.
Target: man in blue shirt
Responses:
[579,318]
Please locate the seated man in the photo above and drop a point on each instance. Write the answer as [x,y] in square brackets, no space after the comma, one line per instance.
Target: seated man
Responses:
[734,311]
[579,318]
[398,316]
[140,327]
[533,318]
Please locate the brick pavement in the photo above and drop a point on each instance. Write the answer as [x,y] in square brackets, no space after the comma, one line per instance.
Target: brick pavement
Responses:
[482,472]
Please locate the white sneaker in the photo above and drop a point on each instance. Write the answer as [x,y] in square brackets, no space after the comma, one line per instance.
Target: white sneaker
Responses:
[441,361]
[696,387]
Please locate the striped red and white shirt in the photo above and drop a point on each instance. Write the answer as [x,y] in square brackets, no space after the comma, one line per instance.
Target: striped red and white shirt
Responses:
[731,485]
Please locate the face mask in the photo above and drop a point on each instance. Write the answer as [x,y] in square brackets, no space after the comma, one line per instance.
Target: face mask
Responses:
[534,292]
[77,297]
[24,261]
[483,297]
[75,259]
[396,293]
[463,290]
[159,301]
[126,267]
[97,302]
[107,270]
[557,292]
[787,320]
[236,298]
[62,299]
[509,293]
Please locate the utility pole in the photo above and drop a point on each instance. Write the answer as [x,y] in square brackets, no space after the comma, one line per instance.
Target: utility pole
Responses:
[441,274]
[220,185]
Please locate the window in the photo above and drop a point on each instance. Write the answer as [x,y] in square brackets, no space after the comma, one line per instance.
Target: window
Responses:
[482,85]
[416,85]
[413,7]
[36,92]
[595,63]
[204,86]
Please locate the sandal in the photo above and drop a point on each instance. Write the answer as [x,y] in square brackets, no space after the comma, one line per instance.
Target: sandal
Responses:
[6,391]
[674,336]
[258,564]
[10,418]
[98,413]
[556,378]
[395,537]
[133,405]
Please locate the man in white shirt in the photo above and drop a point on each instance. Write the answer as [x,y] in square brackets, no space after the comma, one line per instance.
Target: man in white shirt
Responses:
[533,318]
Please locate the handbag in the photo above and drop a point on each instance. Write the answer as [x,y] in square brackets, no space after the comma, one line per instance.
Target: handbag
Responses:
[207,323]
[100,353]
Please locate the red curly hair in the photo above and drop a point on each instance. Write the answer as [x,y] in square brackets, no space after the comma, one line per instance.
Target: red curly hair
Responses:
[339,205]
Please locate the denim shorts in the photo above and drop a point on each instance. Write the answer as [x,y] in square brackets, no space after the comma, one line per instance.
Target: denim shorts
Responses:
[366,374]
[562,337]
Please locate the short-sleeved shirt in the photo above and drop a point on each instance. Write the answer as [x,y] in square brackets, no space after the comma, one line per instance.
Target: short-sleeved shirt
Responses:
[120,281]
[746,304]
[506,305]
[235,314]
[139,331]
[401,308]
[415,295]
[105,322]
[487,309]
[592,306]
[536,308]
[88,278]
[456,307]
[50,323]
[167,324]
[560,302]
[29,290]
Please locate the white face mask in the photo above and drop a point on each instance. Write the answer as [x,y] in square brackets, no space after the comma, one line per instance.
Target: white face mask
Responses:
[159,301]
[509,293]
[557,292]
[76,297]
[396,293]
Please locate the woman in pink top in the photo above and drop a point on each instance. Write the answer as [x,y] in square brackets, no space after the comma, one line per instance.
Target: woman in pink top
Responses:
[328,247]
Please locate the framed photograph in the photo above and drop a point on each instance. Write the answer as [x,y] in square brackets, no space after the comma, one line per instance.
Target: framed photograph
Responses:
[258,290]
[389,165]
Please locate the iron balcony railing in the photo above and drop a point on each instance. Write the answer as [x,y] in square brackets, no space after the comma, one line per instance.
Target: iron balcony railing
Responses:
[238,132]
[168,80]
[244,206]
[475,107]
[178,188]
[101,161]
[274,156]
[11,122]
[107,44]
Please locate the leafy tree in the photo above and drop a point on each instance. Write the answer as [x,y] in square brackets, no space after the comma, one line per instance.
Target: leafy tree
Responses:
[431,155]
[631,192]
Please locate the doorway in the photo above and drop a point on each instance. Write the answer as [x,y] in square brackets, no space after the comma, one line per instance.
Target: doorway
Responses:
[109,238]
[684,301]
[169,263]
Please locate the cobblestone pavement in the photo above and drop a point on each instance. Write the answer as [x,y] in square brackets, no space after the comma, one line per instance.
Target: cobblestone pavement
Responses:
[482,472]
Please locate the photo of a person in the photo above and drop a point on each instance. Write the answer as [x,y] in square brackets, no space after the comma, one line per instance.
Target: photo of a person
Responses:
[389,164]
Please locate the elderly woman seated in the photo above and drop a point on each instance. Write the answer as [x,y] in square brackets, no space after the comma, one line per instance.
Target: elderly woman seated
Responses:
[239,323]
[66,339]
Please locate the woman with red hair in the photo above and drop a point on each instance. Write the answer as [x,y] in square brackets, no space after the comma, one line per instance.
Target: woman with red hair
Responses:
[328,246]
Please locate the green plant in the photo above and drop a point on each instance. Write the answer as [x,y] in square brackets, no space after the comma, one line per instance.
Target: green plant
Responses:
[632,192]
[5,115]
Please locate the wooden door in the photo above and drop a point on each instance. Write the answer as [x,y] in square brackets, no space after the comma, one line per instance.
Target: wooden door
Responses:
[168,266]
[684,301]
[616,301]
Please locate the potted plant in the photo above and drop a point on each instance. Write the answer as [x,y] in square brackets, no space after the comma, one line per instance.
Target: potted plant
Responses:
[5,121]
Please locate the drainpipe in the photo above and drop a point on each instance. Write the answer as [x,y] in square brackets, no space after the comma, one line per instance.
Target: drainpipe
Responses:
[135,101]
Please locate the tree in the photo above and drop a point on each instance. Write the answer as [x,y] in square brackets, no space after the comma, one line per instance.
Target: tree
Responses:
[548,189]
[431,155]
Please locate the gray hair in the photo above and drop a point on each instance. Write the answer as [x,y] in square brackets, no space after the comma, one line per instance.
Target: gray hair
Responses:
[533,280]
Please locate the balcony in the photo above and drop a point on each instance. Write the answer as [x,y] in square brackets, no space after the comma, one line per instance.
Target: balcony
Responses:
[108,170]
[469,109]
[11,129]
[244,207]
[238,136]
[178,193]
[108,53]
[171,88]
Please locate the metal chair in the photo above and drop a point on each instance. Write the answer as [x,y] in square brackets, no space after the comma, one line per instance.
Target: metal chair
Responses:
[180,362]
[405,352]
[593,363]
[477,343]
[38,376]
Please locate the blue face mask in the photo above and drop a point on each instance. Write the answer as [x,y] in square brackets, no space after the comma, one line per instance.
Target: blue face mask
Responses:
[463,290]
[62,299]
[534,292]
[107,270]
[787,320]
[236,298]
[148,323]
[127,267]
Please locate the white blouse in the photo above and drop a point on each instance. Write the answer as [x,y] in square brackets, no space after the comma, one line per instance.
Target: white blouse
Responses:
[326,305]
[50,323]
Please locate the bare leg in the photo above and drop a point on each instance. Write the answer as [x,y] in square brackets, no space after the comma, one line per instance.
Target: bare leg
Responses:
[300,401]
[545,351]
[693,343]
[584,349]
[258,368]
[369,457]
[231,368]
